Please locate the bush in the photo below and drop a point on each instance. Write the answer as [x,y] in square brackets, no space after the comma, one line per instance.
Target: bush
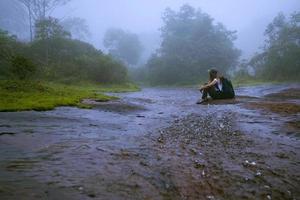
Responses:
[57,59]
[22,68]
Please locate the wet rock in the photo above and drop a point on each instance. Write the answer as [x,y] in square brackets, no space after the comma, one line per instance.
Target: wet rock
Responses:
[267,187]
[29,131]
[281,155]
[83,147]
[199,164]
[80,188]
[5,126]
[194,151]
[143,163]
[249,164]
[222,125]
[161,139]
[210,197]
[258,173]
[92,195]
[7,133]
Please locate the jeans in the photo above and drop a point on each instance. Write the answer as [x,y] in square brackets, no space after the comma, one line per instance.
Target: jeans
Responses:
[214,93]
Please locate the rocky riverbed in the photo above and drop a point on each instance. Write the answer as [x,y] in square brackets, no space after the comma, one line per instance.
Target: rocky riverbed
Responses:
[157,144]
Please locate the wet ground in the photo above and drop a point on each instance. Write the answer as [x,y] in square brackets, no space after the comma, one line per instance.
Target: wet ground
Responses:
[157,144]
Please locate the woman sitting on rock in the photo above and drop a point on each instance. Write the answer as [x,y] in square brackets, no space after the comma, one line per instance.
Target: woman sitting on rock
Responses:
[218,87]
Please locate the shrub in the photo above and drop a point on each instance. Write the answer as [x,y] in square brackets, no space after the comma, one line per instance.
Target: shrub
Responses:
[22,68]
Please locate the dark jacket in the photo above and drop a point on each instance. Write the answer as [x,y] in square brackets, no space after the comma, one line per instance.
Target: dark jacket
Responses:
[227,91]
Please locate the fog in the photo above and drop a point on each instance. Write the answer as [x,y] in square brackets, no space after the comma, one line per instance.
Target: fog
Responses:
[249,18]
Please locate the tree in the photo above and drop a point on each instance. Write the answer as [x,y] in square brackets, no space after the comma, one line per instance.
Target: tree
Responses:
[46,31]
[191,44]
[77,27]
[123,45]
[40,9]
[280,57]
[49,28]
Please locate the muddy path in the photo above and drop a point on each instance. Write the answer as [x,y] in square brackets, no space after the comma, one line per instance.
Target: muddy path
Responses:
[157,144]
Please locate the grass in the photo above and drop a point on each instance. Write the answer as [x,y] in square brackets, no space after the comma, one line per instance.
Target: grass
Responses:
[41,96]
[253,82]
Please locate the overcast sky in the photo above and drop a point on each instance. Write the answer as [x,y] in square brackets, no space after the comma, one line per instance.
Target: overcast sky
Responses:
[248,17]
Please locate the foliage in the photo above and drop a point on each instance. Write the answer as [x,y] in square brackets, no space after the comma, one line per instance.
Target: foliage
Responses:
[49,28]
[58,58]
[39,10]
[191,45]
[77,27]
[9,48]
[280,58]
[22,68]
[72,60]
[123,45]
[6,45]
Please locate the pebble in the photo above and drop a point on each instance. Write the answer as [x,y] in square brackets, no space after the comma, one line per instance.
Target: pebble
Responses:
[194,151]
[266,186]
[258,173]
[222,125]
[199,164]
[247,163]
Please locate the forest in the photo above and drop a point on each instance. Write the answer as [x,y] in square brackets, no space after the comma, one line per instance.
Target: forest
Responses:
[192,42]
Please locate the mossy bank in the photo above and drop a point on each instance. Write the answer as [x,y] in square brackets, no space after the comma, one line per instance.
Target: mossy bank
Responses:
[40,96]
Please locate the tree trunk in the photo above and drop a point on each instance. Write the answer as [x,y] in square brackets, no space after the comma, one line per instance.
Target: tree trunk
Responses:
[30,24]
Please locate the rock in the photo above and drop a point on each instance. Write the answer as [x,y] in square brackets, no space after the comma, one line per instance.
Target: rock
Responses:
[199,164]
[258,173]
[160,139]
[143,163]
[249,164]
[5,126]
[92,195]
[194,151]
[7,133]
[210,197]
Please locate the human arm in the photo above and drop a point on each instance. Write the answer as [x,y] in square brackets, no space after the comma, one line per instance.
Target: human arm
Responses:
[208,84]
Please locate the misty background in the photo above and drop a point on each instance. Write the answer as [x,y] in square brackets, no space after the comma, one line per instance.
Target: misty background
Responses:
[248,17]
[156,42]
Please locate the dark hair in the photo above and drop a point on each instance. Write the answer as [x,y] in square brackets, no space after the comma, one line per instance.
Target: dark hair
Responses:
[212,74]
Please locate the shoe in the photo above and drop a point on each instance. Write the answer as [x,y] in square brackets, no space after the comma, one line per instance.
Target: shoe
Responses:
[200,101]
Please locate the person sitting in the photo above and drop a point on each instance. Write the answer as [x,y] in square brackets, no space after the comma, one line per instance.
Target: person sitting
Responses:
[218,87]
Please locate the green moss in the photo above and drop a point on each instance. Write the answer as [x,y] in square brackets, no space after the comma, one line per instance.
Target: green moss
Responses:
[128,87]
[252,82]
[21,95]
